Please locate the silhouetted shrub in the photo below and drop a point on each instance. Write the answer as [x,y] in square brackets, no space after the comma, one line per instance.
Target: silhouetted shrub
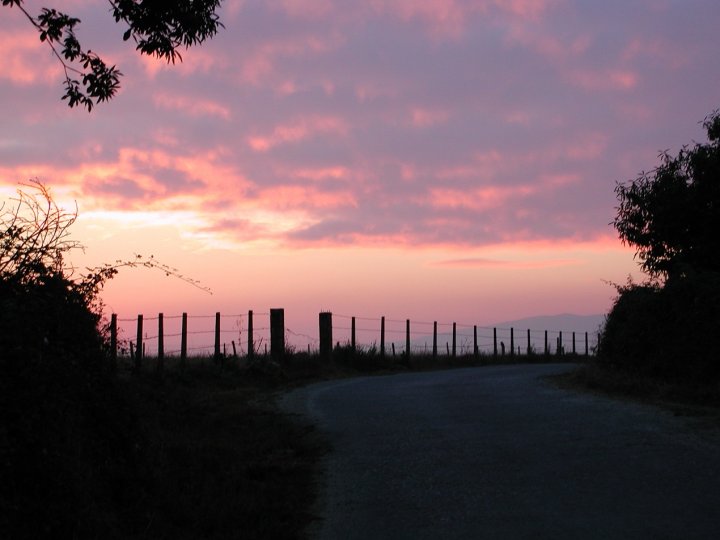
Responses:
[667,332]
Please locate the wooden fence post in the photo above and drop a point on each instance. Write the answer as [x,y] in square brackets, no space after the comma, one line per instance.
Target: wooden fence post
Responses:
[183,339]
[138,343]
[326,339]
[546,343]
[251,338]
[434,352]
[475,343]
[217,336]
[277,333]
[352,335]
[407,339]
[161,337]
[529,349]
[560,344]
[512,342]
[454,349]
[161,344]
[382,337]
[494,341]
[573,342]
[587,349]
[113,341]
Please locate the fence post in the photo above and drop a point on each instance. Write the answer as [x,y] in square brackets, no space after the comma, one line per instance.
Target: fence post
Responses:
[183,339]
[494,341]
[587,349]
[326,340]
[161,344]
[113,341]
[352,335]
[573,342]
[277,333]
[454,349]
[529,349]
[407,339]
[475,344]
[512,342]
[382,337]
[546,343]
[434,353]
[138,343]
[161,337]
[217,336]
[560,344]
[251,342]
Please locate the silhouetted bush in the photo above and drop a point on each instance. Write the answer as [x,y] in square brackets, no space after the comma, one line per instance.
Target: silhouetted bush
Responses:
[667,332]
[69,438]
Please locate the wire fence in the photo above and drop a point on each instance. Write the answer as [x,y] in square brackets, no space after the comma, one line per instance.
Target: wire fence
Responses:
[255,333]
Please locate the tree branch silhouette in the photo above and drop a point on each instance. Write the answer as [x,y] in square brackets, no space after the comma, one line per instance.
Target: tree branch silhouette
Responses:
[158,29]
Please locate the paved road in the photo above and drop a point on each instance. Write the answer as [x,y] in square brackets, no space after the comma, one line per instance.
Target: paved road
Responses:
[496,452]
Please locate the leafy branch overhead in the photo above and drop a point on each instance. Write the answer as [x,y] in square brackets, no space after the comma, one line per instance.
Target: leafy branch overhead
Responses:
[159,28]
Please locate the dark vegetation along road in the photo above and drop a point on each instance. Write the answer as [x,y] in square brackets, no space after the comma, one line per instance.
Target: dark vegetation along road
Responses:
[501,452]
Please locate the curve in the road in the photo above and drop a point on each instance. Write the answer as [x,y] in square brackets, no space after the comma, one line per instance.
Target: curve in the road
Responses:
[498,452]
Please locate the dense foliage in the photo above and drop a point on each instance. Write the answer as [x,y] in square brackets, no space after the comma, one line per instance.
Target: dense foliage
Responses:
[158,28]
[44,312]
[666,332]
[667,328]
[671,215]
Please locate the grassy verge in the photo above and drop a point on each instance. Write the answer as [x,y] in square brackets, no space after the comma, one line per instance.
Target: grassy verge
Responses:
[199,451]
[682,398]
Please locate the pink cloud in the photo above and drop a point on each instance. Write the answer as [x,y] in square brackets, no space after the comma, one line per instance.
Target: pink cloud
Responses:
[25,60]
[559,180]
[589,147]
[195,60]
[422,117]
[259,62]
[607,79]
[312,9]
[479,262]
[322,173]
[483,198]
[297,131]
[304,197]
[191,106]
[657,50]
[443,17]
[544,43]
[525,8]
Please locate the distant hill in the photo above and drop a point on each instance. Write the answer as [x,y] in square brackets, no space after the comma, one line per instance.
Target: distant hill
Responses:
[565,323]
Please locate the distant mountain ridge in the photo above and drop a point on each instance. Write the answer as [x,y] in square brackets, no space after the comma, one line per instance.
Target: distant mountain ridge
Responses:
[565,322]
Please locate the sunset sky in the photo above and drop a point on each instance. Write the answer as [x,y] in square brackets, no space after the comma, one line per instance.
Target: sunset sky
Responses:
[449,160]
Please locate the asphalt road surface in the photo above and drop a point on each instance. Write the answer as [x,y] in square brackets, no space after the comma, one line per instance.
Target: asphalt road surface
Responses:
[498,452]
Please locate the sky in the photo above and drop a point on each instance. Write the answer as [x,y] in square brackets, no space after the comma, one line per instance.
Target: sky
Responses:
[438,160]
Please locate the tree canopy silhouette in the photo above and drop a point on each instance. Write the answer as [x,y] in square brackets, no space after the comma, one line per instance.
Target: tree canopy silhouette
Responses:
[158,27]
[671,215]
